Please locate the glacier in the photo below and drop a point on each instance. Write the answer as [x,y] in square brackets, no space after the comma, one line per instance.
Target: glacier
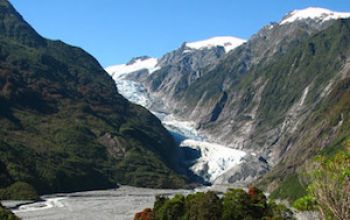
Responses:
[214,159]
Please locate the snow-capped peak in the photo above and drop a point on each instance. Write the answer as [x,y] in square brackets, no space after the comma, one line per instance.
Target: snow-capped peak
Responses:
[229,43]
[320,14]
[136,64]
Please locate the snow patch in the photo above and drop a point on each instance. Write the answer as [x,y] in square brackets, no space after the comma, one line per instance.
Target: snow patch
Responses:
[149,64]
[229,43]
[320,14]
[303,97]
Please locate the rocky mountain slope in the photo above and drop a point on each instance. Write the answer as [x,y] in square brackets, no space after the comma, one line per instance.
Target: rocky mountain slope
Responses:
[282,95]
[175,71]
[64,126]
[245,103]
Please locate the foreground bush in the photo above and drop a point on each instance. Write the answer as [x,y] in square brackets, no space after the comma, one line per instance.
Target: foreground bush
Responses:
[235,204]
[329,185]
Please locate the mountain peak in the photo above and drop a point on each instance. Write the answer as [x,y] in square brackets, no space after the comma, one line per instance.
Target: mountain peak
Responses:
[319,14]
[228,42]
[138,59]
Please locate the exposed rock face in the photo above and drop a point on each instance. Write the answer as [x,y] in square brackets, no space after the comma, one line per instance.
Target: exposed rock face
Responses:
[114,146]
[179,69]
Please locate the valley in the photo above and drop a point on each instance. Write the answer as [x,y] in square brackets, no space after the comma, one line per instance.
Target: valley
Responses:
[266,115]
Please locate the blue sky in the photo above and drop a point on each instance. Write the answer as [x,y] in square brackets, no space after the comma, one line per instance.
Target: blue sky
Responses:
[116,30]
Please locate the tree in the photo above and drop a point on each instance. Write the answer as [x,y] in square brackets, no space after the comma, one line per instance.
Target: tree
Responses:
[235,205]
[211,207]
[169,209]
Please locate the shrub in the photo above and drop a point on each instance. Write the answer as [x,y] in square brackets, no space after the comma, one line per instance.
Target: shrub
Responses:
[306,203]
[330,185]
[169,209]
[202,206]
[19,191]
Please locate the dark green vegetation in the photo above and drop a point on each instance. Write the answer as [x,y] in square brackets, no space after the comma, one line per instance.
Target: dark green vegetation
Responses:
[290,189]
[234,204]
[18,191]
[64,127]
[6,214]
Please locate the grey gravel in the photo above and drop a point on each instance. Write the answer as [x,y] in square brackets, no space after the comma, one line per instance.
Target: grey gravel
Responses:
[118,204]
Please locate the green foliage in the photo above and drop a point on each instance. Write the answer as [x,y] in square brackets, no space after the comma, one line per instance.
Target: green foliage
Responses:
[203,206]
[306,203]
[290,189]
[235,204]
[200,206]
[169,209]
[18,191]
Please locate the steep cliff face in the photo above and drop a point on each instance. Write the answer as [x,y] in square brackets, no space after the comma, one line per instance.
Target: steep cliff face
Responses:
[65,127]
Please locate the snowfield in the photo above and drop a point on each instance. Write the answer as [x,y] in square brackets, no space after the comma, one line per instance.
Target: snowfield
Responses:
[229,43]
[320,14]
[149,64]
